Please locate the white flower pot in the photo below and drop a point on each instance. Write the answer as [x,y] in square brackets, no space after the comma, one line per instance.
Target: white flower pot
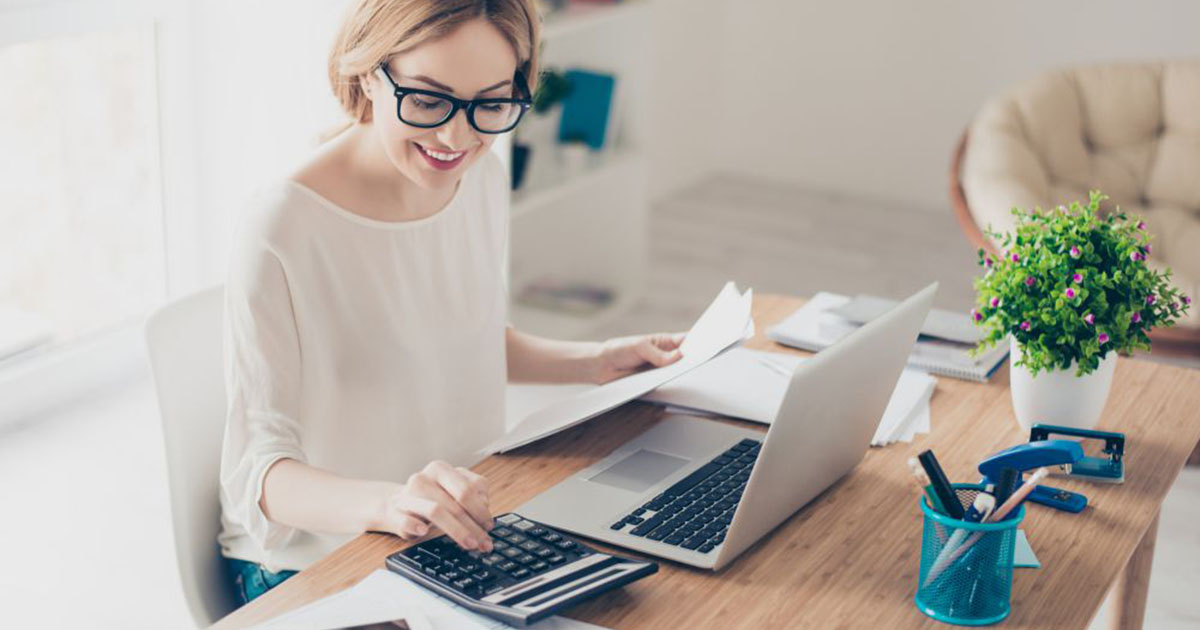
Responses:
[1058,396]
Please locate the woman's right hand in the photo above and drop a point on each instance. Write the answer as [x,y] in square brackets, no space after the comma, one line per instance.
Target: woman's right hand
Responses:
[453,499]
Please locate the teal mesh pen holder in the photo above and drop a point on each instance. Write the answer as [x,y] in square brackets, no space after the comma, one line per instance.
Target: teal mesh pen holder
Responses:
[966,568]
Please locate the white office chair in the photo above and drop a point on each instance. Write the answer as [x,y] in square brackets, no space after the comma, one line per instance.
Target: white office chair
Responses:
[184,341]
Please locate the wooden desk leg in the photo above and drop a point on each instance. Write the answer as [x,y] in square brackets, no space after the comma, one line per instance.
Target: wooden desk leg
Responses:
[1129,605]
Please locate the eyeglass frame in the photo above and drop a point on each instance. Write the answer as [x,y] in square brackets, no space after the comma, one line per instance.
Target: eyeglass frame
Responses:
[469,105]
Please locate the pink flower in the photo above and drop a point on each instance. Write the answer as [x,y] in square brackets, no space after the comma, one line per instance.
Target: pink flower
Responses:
[1074,252]
[1026,325]
[1147,250]
[976,315]
[1077,278]
[1070,293]
[1174,306]
[987,262]
[1090,319]
[1136,317]
[1187,300]
[1141,225]
[1150,299]
[1015,258]
[1029,281]
[994,302]
[1136,256]
[1103,338]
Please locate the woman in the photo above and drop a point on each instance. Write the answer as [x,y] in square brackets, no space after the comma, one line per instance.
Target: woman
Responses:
[366,340]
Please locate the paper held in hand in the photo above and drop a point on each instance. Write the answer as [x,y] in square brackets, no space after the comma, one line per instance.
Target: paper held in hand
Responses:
[725,322]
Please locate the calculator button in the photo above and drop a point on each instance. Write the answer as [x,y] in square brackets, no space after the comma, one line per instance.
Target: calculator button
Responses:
[509,519]
[468,568]
[524,525]
[449,575]
[555,559]
[499,544]
[536,531]
[525,558]
[519,573]
[492,559]
[507,565]
[551,537]
[482,575]
[433,571]
[493,588]
[516,539]
[538,566]
[501,532]
[530,545]
[511,552]
[565,544]
[464,583]
[543,552]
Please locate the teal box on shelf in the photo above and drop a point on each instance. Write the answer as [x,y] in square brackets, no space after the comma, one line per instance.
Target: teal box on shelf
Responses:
[587,108]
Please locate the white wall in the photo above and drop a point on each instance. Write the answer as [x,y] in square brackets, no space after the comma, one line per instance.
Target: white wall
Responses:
[870,96]
[686,94]
[263,100]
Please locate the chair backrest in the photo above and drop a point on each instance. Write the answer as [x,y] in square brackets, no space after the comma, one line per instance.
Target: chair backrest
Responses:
[184,342]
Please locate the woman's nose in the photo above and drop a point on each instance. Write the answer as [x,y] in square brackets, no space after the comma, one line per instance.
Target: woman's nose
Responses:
[456,133]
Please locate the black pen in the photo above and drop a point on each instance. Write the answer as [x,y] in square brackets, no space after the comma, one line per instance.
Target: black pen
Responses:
[1007,484]
[941,485]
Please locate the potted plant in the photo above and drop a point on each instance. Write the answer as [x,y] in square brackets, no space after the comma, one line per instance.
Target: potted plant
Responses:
[1070,291]
[541,126]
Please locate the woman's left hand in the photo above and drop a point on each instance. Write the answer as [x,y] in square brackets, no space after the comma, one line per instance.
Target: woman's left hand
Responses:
[622,356]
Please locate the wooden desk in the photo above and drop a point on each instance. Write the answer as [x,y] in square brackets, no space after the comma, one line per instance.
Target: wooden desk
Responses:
[849,559]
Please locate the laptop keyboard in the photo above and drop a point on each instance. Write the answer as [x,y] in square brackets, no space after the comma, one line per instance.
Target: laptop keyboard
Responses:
[695,512]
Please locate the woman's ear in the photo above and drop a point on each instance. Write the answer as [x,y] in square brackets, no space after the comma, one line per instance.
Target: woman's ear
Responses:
[367,87]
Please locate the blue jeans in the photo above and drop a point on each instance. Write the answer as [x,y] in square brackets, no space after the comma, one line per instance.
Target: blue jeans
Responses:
[250,579]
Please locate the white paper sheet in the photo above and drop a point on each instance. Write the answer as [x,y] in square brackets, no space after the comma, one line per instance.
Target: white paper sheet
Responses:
[750,384]
[383,597]
[726,322]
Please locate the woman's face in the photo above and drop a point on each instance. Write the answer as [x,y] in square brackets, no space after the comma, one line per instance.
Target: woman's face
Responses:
[474,61]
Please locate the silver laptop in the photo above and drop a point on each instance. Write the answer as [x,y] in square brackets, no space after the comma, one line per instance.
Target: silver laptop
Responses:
[700,492]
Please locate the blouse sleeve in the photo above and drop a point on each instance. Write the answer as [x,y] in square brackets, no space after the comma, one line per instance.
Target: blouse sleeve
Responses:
[262,383]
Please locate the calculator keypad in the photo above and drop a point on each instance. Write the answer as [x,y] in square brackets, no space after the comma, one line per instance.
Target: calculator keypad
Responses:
[522,550]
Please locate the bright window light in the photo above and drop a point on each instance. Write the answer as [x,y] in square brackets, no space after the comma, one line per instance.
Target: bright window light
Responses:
[81,211]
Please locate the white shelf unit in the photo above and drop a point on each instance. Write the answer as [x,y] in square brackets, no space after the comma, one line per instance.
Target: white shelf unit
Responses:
[588,224]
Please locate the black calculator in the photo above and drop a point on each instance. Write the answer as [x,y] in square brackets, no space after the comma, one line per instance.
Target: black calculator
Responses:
[533,571]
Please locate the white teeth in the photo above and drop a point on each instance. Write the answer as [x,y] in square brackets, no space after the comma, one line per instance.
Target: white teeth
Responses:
[444,157]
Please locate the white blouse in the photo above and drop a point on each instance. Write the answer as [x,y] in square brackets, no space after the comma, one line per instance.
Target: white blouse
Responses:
[366,348]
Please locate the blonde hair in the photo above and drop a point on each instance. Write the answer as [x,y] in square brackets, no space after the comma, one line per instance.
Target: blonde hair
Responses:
[373,30]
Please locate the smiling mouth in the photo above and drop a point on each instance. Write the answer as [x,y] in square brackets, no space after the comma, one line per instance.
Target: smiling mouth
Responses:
[442,160]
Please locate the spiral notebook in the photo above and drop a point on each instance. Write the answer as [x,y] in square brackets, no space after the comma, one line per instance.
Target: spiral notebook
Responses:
[815,326]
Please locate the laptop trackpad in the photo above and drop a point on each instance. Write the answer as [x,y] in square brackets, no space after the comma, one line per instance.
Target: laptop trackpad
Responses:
[639,471]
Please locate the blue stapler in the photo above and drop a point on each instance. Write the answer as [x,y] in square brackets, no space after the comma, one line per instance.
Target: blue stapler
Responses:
[1110,469]
[1025,457]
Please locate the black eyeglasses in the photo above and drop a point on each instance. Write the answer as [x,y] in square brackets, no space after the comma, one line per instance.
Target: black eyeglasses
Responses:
[427,109]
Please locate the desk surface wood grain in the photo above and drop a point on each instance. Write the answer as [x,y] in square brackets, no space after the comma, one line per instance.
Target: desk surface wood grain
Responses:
[849,558]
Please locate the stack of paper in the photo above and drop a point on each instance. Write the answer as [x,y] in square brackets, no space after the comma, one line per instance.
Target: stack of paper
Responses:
[818,325]
[538,411]
[384,597]
[750,385]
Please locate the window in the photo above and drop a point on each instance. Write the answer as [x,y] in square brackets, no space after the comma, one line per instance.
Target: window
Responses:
[81,203]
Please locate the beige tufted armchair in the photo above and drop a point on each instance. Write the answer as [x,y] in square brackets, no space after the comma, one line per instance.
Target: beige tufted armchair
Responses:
[1129,129]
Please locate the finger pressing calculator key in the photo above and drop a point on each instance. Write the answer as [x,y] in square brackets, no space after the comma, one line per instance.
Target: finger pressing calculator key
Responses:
[533,572]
